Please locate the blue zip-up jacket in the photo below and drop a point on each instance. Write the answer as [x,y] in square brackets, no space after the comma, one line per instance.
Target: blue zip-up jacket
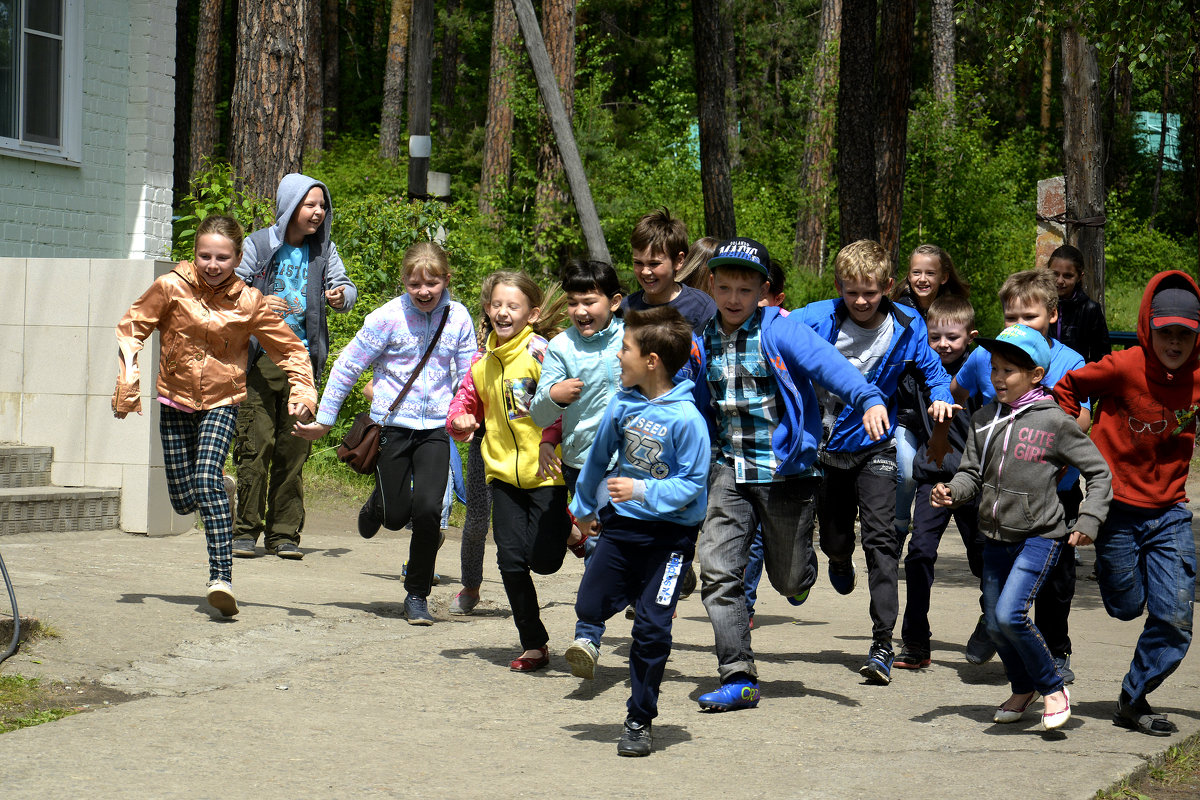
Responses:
[910,345]
[663,446]
[594,361]
[798,356]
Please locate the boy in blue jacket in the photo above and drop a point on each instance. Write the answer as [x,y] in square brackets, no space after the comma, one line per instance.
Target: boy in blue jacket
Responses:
[652,506]
[765,426]
[882,340]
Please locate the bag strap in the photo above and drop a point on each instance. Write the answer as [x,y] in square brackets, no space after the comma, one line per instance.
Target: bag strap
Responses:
[421,364]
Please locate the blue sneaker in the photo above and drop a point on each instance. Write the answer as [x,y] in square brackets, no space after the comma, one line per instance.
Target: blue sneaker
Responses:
[798,599]
[878,667]
[842,576]
[731,696]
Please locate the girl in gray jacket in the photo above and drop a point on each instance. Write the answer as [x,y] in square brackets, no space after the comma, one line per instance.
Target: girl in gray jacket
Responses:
[1017,447]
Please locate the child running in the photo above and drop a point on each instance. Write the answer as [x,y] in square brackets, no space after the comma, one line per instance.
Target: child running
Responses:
[418,346]
[205,316]
[529,511]
[1017,447]
[656,502]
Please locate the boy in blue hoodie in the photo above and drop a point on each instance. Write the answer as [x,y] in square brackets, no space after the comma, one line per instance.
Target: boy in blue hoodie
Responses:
[655,501]
[297,268]
[765,426]
[882,340]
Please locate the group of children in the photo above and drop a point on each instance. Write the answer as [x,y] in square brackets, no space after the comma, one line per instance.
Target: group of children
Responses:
[676,423]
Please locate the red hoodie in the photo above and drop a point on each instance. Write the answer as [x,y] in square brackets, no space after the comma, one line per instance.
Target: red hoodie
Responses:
[1146,423]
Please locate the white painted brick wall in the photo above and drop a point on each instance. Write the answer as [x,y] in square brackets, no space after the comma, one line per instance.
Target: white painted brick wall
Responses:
[116,203]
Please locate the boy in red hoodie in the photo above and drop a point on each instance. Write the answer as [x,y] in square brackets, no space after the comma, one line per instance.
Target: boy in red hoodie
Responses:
[1146,430]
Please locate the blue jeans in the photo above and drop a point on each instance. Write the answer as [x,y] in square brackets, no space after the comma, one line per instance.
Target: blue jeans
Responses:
[906,485]
[1146,560]
[754,570]
[1013,573]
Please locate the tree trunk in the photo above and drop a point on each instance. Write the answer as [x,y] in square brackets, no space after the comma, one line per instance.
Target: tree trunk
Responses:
[1083,156]
[942,25]
[1162,140]
[857,205]
[331,57]
[314,117]
[267,103]
[1047,79]
[497,141]
[711,92]
[1196,128]
[816,168]
[448,84]
[733,135]
[895,83]
[390,123]
[204,86]
[420,93]
[550,201]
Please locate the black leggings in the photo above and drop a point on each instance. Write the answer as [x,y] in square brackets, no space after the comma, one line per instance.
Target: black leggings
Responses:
[410,480]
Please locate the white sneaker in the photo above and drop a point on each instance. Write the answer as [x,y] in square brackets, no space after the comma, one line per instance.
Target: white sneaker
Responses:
[220,596]
[582,655]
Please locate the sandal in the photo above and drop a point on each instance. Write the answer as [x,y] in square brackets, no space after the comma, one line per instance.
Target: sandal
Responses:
[579,547]
[1140,717]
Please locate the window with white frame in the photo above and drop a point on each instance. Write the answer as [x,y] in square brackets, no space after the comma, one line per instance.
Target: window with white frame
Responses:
[40,86]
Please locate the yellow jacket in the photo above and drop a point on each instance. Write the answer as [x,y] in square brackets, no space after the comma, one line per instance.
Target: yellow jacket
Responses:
[205,337]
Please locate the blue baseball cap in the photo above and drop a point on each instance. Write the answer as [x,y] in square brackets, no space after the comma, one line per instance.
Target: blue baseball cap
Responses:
[1021,345]
[743,253]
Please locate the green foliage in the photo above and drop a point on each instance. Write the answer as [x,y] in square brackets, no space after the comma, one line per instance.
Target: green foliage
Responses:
[1133,254]
[215,191]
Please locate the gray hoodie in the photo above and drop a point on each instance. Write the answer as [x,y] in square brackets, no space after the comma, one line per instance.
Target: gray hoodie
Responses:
[1012,462]
[325,268]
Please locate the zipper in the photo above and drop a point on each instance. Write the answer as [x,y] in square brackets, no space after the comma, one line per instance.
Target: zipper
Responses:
[513,433]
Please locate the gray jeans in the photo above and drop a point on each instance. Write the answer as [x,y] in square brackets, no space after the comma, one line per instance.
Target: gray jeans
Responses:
[786,511]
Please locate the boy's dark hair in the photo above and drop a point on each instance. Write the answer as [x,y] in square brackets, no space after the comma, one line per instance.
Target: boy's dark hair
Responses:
[586,276]
[1069,253]
[664,331]
[775,277]
[952,308]
[659,231]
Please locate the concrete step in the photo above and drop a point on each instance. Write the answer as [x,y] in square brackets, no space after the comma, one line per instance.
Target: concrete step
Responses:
[45,509]
[24,465]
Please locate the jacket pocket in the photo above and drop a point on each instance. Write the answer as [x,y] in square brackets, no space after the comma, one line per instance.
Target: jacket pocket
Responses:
[170,347]
[1008,508]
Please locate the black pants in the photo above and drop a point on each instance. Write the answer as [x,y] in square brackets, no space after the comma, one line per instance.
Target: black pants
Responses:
[531,527]
[1053,605]
[410,480]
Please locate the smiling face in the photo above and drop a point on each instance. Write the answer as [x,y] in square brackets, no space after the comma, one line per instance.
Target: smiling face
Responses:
[737,293]
[216,258]
[591,311]
[925,278]
[635,367]
[1012,381]
[655,272]
[1031,313]
[948,339]
[1066,277]
[1173,345]
[510,311]
[425,290]
[307,218]
[862,298]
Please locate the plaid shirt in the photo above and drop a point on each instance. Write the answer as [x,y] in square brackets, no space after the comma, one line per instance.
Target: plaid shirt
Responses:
[745,396]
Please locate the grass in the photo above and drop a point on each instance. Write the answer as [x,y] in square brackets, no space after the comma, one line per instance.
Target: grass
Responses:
[24,701]
[1174,775]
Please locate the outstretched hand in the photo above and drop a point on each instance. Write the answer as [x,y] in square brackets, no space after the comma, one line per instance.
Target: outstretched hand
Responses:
[311,431]
[875,421]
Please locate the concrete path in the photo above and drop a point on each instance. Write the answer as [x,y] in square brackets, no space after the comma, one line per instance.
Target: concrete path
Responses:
[320,688]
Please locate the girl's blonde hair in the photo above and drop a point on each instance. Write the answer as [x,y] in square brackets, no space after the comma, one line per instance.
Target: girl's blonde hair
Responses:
[428,257]
[694,272]
[222,225]
[954,284]
[553,302]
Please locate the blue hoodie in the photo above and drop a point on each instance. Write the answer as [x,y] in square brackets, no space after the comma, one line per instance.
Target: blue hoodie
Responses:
[799,356]
[910,345]
[663,445]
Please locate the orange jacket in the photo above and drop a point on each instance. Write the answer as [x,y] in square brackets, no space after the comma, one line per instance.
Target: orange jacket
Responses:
[205,337]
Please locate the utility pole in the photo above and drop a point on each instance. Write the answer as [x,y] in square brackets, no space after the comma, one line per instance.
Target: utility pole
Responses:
[420,90]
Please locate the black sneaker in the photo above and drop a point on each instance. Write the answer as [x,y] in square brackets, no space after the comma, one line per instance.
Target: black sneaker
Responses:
[980,648]
[244,548]
[878,666]
[416,610]
[286,549]
[912,658]
[368,526]
[1064,669]
[635,739]
[689,584]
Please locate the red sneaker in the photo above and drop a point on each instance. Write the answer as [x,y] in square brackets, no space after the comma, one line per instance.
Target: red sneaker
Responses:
[531,664]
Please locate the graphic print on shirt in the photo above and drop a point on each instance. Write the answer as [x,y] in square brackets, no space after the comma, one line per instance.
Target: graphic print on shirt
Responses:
[644,445]
[518,397]
[291,283]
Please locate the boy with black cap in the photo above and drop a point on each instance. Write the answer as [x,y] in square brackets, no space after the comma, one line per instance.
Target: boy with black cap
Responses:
[765,426]
[1146,429]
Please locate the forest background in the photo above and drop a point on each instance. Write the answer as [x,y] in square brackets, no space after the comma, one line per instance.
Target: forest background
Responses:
[800,123]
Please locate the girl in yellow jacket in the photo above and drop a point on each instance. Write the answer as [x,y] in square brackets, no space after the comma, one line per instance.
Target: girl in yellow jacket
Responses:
[529,510]
[205,316]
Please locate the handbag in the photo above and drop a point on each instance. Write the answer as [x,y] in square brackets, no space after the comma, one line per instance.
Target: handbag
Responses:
[359,449]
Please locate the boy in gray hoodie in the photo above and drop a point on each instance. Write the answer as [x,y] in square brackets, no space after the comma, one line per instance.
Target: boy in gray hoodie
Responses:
[296,266]
[1016,448]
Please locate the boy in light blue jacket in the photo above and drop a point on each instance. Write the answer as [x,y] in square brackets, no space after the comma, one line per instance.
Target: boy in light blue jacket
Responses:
[650,506]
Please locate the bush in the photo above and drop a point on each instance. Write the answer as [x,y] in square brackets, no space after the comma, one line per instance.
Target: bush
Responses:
[214,191]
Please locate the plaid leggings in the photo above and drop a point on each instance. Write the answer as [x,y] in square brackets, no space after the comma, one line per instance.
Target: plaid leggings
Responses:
[479,514]
[194,449]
